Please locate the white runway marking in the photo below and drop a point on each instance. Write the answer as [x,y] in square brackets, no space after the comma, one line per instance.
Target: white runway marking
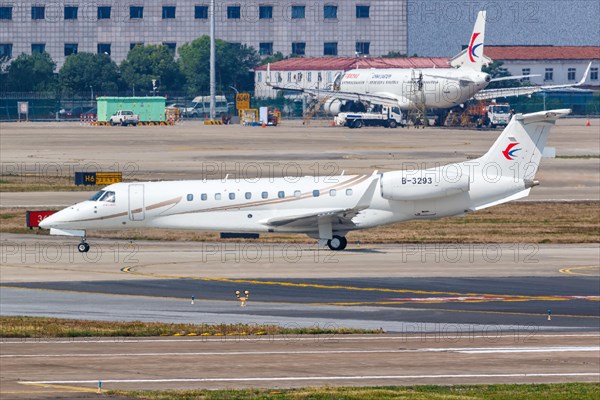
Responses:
[465,350]
[523,335]
[316,378]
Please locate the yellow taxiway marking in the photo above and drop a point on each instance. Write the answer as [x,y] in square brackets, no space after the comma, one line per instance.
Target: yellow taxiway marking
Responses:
[588,270]
[477,297]
[54,386]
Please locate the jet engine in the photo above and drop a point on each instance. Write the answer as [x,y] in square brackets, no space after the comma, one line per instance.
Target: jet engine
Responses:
[333,106]
[423,184]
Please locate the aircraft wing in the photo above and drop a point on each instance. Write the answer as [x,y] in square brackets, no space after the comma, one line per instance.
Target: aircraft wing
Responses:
[339,216]
[488,94]
[385,99]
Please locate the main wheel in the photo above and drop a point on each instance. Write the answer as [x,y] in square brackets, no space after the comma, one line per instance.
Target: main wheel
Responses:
[337,243]
[83,247]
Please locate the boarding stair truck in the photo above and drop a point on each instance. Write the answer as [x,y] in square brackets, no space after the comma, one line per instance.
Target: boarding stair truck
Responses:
[389,117]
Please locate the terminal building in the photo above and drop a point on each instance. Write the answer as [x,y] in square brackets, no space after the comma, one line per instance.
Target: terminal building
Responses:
[336,28]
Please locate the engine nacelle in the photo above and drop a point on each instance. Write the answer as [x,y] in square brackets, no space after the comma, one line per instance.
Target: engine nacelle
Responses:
[333,106]
[422,184]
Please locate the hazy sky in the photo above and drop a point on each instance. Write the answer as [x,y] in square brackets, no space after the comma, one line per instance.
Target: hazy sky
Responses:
[440,28]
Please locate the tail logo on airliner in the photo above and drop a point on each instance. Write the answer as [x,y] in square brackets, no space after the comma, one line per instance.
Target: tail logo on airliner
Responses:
[473,47]
[509,152]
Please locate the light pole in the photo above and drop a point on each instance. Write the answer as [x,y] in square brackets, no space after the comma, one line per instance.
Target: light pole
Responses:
[212,59]
[92,94]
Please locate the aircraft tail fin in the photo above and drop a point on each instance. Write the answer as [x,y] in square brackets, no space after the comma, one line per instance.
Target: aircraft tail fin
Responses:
[518,150]
[474,55]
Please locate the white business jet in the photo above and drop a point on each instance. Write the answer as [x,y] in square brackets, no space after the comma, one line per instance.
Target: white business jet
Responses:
[324,208]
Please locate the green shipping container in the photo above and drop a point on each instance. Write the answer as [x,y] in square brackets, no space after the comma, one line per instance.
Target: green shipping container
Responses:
[150,109]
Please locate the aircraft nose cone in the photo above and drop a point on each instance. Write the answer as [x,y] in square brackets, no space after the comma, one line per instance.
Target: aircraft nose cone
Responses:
[48,222]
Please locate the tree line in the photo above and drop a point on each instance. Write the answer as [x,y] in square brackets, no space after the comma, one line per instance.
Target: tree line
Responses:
[82,72]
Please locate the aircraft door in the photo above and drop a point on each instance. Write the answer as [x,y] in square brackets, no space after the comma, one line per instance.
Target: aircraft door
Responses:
[137,209]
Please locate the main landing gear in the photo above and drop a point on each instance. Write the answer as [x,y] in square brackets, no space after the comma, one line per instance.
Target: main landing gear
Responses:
[337,243]
[83,247]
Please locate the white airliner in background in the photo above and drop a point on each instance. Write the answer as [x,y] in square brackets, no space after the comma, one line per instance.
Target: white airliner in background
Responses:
[324,207]
[431,88]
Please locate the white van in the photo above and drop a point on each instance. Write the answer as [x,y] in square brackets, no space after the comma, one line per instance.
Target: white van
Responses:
[200,106]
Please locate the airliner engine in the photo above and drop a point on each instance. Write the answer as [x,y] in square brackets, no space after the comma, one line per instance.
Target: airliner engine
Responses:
[423,184]
[333,106]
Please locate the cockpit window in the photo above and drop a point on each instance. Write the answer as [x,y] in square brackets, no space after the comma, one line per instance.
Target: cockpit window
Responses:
[97,195]
[108,197]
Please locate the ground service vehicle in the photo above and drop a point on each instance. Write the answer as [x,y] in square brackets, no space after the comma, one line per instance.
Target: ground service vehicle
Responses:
[200,106]
[124,118]
[481,114]
[390,117]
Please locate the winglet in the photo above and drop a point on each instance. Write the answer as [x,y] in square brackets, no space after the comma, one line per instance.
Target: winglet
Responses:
[585,74]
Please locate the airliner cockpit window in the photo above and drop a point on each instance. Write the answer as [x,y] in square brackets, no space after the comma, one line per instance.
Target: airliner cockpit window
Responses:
[97,195]
[108,197]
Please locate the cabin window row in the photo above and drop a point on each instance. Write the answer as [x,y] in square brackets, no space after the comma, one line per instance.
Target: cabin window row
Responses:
[265,195]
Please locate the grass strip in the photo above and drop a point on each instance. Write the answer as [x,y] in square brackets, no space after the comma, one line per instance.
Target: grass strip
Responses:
[42,327]
[559,391]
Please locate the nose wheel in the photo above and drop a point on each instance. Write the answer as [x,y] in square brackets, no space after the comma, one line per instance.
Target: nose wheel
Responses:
[83,247]
[337,243]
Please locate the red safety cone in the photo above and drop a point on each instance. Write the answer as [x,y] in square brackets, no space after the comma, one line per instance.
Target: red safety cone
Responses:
[588,123]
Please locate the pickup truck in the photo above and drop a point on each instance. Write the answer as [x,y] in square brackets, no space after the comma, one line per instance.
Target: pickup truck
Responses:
[124,118]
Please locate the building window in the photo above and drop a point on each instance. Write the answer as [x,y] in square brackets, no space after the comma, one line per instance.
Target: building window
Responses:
[233,12]
[362,11]
[171,46]
[330,49]
[549,74]
[330,12]
[132,45]
[201,12]
[6,12]
[70,48]
[5,50]
[265,49]
[38,12]
[265,12]
[136,12]
[594,74]
[298,12]
[71,12]
[104,12]
[104,48]
[259,76]
[571,72]
[526,71]
[38,48]
[168,12]
[363,47]
[299,48]
[309,76]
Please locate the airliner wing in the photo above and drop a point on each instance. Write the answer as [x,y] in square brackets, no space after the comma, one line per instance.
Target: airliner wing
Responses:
[334,216]
[488,94]
[384,99]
